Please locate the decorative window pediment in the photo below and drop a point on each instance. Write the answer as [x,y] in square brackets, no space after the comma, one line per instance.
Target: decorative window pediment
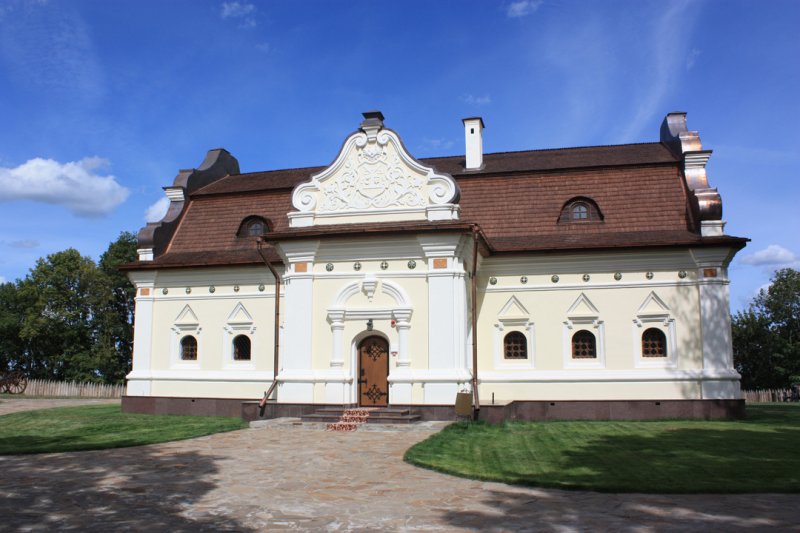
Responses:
[374,179]
[583,335]
[654,338]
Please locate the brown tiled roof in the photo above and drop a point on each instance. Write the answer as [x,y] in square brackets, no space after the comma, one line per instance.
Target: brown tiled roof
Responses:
[516,200]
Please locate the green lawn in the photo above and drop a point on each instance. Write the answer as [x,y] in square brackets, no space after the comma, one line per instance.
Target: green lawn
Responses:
[758,454]
[93,427]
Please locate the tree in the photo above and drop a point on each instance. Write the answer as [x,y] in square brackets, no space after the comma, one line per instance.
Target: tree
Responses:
[766,337]
[71,319]
[57,324]
[113,319]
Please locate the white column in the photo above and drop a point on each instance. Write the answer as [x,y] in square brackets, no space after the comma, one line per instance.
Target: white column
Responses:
[447,316]
[403,318]
[715,323]
[336,318]
[139,383]
[297,376]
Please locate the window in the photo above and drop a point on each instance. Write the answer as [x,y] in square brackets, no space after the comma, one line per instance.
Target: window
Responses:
[515,346]
[584,345]
[654,343]
[253,227]
[580,210]
[241,348]
[189,348]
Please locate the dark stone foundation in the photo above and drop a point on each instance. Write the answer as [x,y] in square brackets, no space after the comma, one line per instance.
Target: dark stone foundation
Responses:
[247,409]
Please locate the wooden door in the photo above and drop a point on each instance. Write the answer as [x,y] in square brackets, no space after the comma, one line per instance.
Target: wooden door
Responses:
[373,381]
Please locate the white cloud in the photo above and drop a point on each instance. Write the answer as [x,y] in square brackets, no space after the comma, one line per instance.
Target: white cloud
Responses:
[773,255]
[51,48]
[522,8]
[692,59]
[436,144]
[156,212]
[666,48]
[27,243]
[74,185]
[242,11]
[476,100]
[2,279]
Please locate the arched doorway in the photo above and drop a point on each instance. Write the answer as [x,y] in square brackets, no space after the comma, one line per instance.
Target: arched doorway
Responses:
[373,374]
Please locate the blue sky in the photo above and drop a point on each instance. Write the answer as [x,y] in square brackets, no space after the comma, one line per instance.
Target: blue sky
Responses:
[102,102]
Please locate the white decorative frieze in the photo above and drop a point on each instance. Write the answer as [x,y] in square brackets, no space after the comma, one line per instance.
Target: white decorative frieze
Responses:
[374,179]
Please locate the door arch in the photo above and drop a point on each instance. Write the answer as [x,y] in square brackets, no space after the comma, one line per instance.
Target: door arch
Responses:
[373,372]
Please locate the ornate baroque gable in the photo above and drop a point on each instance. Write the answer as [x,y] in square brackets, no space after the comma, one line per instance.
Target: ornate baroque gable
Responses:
[374,179]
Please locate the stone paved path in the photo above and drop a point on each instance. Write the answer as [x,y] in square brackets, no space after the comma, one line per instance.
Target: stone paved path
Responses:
[283,477]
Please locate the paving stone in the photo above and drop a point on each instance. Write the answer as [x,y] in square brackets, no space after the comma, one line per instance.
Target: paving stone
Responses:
[287,477]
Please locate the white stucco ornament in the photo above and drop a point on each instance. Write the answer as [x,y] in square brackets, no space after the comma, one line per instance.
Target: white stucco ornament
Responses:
[374,179]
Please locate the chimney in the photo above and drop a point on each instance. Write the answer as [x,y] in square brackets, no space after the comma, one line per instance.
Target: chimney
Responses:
[473,135]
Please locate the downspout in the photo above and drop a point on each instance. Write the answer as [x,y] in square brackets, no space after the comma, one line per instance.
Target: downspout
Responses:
[475,399]
[262,405]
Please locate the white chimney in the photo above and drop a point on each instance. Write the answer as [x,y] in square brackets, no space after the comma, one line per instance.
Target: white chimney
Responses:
[473,135]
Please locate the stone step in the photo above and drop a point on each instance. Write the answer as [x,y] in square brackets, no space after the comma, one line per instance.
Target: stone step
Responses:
[377,415]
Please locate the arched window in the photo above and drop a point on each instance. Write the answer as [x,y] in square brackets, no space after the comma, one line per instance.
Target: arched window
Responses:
[584,345]
[189,348]
[654,343]
[241,348]
[253,227]
[515,346]
[580,209]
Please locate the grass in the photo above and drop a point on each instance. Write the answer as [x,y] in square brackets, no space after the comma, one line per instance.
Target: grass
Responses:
[94,427]
[758,454]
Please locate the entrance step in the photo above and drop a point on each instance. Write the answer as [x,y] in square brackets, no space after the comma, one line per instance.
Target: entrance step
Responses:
[371,415]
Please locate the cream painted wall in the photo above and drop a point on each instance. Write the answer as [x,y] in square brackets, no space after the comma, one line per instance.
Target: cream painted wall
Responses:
[539,310]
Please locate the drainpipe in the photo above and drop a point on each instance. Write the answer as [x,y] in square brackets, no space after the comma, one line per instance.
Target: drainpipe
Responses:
[476,400]
[262,405]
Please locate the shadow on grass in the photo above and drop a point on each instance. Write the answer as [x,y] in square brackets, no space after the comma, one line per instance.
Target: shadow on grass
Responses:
[133,489]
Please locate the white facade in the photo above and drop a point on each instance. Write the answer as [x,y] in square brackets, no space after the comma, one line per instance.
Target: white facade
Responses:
[413,290]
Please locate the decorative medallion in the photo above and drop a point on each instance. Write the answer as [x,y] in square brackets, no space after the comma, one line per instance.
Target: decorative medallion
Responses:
[618,276]
[188,290]
[649,275]
[682,274]
[356,266]
[523,280]
[586,277]
[374,352]
[493,280]
[212,289]
[235,288]
[165,291]
[554,278]
[329,267]
[384,265]
[412,264]
[374,393]
[261,288]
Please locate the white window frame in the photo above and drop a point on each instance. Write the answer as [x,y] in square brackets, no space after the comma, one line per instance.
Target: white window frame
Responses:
[185,324]
[590,321]
[243,325]
[662,320]
[503,327]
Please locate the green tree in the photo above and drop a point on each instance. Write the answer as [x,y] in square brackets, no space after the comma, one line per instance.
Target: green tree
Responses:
[113,318]
[766,337]
[13,352]
[56,325]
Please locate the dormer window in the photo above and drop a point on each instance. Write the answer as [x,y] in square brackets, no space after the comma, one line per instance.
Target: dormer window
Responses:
[580,210]
[253,227]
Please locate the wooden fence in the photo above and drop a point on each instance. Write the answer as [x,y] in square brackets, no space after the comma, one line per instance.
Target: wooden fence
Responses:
[767,395]
[39,387]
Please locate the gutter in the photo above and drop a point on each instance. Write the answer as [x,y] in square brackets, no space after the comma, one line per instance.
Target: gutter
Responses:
[476,402]
[262,405]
